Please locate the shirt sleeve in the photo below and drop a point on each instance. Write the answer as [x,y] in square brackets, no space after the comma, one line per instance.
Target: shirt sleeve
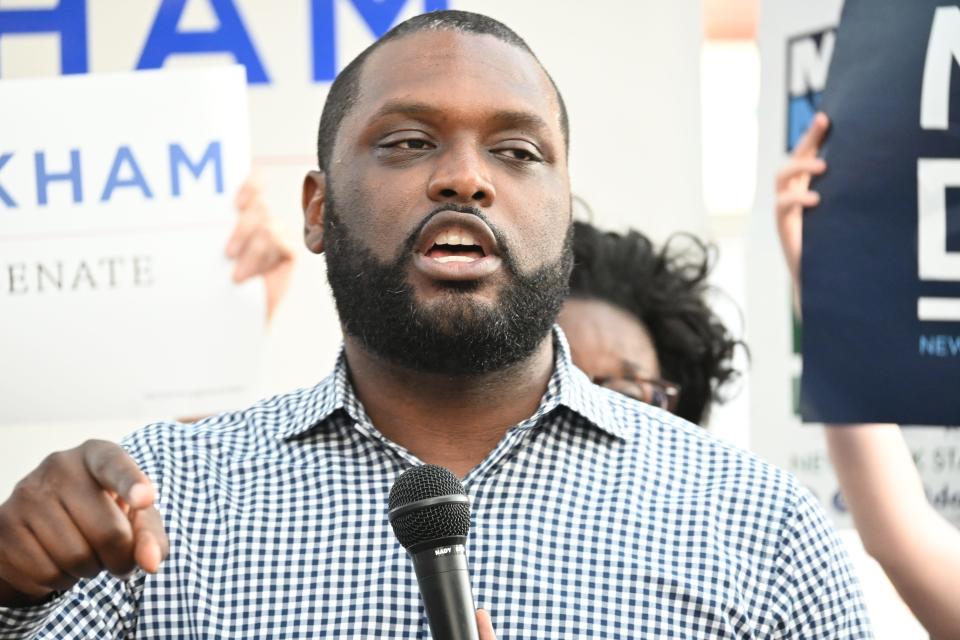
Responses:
[818,593]
[102,607]
[24,622]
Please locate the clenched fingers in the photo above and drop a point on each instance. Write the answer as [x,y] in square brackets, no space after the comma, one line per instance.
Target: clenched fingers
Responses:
[103,523]
[81,511]
[64,544]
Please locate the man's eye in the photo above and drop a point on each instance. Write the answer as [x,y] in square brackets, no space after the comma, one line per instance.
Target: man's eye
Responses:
[412,144]
[518,153]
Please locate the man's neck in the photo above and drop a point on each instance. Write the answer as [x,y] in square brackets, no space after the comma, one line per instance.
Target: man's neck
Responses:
[450,421]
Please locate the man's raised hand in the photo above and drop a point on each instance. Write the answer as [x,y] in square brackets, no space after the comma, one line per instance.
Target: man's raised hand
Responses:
[80,512]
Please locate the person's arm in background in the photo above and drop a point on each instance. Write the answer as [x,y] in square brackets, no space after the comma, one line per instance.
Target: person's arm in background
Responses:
[258,246]
[916,547]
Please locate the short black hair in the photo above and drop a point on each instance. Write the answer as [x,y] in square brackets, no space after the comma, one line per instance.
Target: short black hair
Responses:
[664,289]
[345,88]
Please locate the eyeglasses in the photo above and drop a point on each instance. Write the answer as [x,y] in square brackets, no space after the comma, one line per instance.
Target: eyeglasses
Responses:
[660,393]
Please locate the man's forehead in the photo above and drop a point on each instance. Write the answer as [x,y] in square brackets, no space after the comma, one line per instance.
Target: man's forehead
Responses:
[430,68]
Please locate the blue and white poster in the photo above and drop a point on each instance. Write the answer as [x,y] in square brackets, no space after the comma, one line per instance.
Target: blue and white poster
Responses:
[116,200]
[881,263]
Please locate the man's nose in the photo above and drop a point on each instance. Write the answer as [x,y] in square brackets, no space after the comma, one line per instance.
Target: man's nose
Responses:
[462,176]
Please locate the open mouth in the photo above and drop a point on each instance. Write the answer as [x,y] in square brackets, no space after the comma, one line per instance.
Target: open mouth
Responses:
[455,245]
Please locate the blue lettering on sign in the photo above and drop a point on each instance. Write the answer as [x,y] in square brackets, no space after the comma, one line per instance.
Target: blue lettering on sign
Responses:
[379,16]
[125,172]
[230,37]
[125,157]
[179,157]
[4,196]
[44,178]
[68,18]
[940,346]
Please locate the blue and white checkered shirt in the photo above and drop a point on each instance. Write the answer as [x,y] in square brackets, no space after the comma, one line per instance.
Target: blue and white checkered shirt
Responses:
[597,517]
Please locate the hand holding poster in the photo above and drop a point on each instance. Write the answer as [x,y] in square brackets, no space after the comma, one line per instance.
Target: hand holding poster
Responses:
[116,197]
[881,262]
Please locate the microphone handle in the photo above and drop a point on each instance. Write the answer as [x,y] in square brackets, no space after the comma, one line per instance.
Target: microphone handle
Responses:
[444,579]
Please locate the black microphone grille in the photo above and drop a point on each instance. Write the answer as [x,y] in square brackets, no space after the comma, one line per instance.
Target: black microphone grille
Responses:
[428,503]
[425,481]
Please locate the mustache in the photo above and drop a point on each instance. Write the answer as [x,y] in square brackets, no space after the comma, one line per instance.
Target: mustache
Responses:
[505,253]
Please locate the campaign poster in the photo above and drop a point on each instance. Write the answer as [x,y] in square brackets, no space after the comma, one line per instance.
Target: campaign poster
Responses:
[881,260]
[797,43]
[116,203]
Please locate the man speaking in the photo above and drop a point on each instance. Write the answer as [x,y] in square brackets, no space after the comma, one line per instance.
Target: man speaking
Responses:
[442,204]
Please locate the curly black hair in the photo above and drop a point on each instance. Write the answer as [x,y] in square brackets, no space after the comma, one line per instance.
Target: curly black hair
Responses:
[665,290]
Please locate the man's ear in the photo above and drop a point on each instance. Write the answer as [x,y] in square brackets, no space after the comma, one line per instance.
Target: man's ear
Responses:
[314,202]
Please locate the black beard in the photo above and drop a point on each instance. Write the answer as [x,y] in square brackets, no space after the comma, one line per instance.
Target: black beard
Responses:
[455,335]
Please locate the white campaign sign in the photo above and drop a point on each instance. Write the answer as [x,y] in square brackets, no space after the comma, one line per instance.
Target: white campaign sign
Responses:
[116,201]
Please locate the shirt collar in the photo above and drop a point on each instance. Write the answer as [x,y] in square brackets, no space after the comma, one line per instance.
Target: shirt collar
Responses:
[568,387]
[579,394]
[311,407]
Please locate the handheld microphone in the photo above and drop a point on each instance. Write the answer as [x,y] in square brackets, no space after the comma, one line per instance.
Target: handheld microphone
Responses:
[430,516]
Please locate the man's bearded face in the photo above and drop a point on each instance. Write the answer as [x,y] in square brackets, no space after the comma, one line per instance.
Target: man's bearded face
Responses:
[454,333]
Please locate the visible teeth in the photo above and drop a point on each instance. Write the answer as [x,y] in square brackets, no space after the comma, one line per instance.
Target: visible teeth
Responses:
[456,236]
[455,259]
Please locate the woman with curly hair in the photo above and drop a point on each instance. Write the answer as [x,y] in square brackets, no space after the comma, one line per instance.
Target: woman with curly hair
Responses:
[637,321]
